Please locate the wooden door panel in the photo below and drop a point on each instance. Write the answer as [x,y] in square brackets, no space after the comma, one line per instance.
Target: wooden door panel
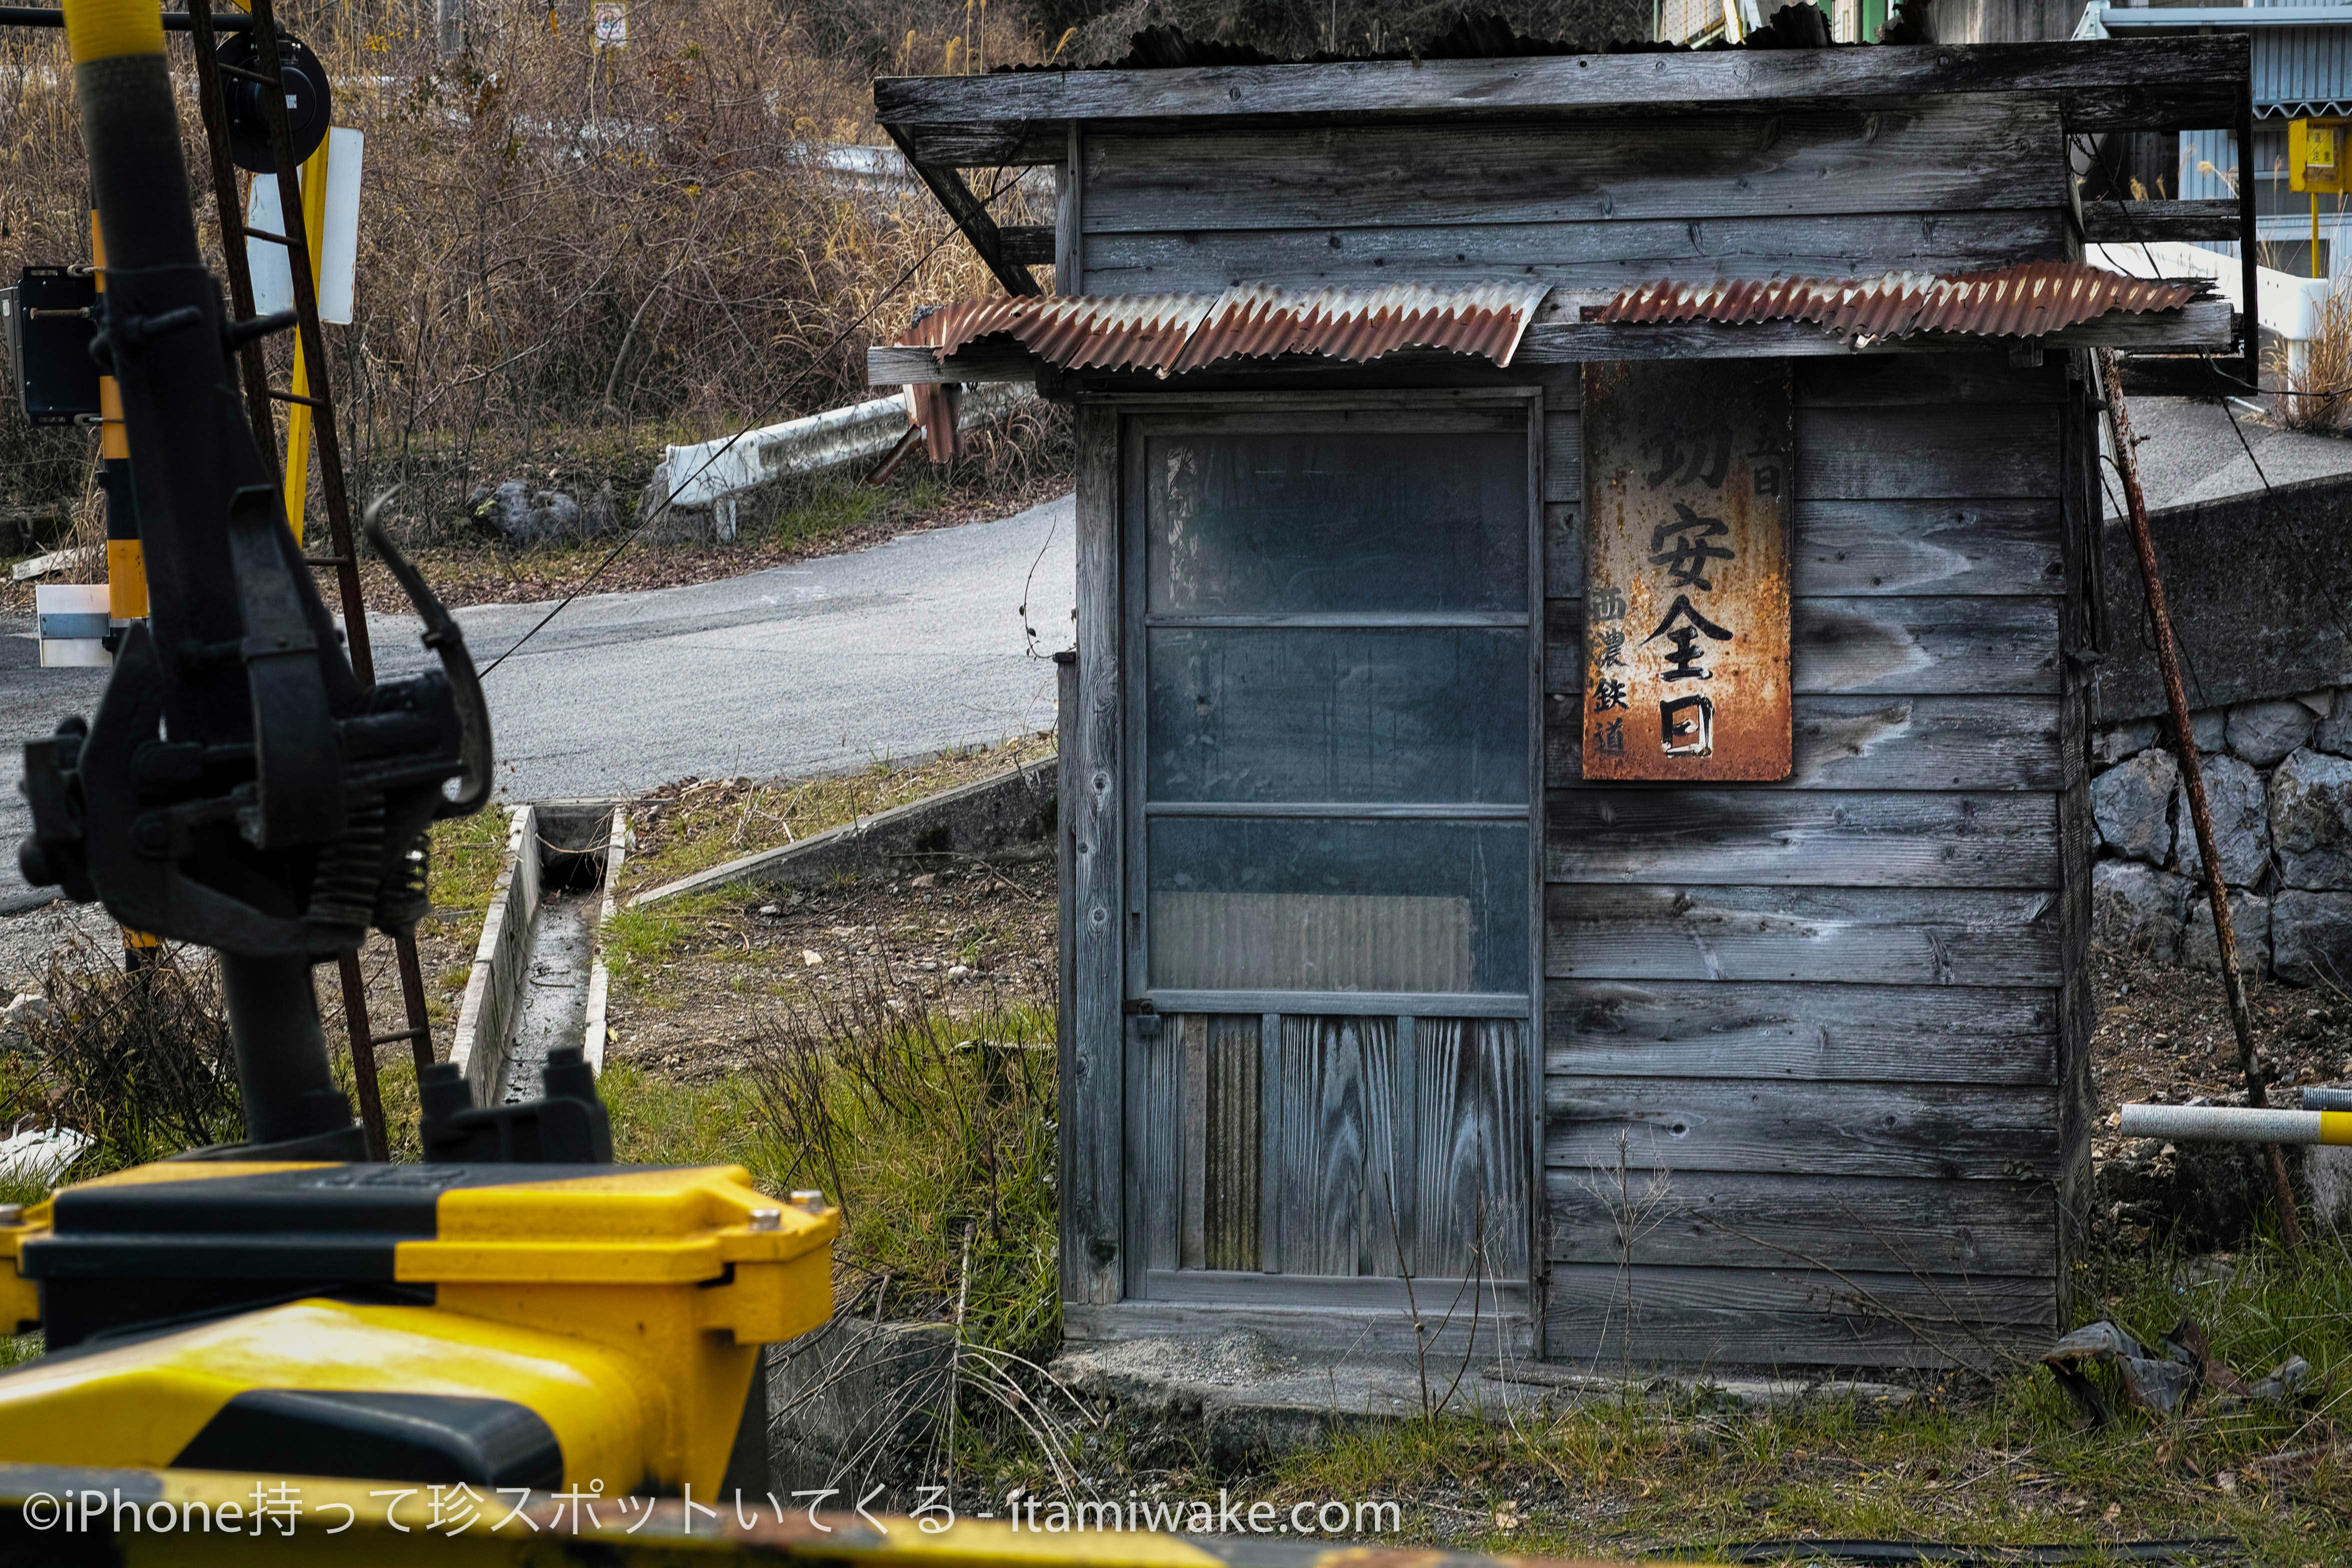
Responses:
[1338,1147]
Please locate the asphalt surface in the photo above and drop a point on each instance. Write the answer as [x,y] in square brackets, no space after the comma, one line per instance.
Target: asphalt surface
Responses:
[2189,452]
[896,651]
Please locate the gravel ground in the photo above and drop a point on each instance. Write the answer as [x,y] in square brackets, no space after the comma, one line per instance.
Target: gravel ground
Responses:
[27,940]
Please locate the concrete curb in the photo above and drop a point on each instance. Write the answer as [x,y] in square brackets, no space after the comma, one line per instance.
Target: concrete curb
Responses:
[600,976]
[1008,813]
[509,941]
[502,960]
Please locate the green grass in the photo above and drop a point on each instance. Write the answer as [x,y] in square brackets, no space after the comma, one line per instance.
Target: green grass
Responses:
[936,1136]
[468,853]
[2002,1462]
[639,941]
[830,507]
[659,1122]
[711,823]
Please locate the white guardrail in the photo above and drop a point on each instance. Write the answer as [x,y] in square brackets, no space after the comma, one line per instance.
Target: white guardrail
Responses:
[2291,308]
[714,474]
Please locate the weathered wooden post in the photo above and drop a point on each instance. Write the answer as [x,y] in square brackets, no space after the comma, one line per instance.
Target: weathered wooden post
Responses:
[2192,775]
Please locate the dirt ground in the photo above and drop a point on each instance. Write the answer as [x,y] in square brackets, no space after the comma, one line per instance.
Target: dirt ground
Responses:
[2164,1036]
[690,1003]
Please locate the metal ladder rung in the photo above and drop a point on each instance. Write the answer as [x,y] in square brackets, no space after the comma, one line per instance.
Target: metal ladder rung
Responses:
[419,1035]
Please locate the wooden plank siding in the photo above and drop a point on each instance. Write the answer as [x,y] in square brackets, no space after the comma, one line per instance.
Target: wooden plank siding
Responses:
[1373,1152]
[1947,183]
[1017,117]
[1813,1067]
[1805,1083]
[2080,611]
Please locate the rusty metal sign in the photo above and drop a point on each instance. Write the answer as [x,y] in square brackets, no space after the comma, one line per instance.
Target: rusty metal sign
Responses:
[1688,470]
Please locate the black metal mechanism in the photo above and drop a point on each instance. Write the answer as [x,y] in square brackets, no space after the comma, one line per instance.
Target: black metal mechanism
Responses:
[246,83]
[247,785]
[298,89]
[567,1126]
[49,325]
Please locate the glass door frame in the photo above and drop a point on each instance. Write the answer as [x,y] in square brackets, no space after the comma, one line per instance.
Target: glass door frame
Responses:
[1139,417]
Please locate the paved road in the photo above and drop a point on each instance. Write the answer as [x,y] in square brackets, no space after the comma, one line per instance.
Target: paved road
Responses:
[893,651]
[2188,452]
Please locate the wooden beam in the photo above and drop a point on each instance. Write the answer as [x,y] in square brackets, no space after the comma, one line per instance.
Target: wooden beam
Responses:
[1093,1222]
[1021,116]
[2181,376]
[2130,222]
[1032,245]
[970,215]
[889,364]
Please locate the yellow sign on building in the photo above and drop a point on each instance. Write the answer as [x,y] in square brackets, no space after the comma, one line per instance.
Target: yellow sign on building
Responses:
[2314,155]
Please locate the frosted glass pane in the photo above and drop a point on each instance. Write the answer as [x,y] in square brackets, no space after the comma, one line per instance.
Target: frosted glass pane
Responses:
[1242,904]
[1308,714]
[1260,524]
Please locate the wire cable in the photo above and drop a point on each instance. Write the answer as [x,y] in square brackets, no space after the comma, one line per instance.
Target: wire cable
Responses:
[679,487]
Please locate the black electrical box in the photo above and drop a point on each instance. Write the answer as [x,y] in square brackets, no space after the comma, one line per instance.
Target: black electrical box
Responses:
[48,317]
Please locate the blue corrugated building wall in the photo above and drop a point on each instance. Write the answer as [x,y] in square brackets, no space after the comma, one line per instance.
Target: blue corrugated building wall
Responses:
[2302,69]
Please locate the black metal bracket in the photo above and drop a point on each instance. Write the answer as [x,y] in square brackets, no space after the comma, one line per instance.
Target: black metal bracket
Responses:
[567,1125]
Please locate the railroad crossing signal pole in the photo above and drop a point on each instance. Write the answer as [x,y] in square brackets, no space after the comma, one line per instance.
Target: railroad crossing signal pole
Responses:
[126,562]
[313,402]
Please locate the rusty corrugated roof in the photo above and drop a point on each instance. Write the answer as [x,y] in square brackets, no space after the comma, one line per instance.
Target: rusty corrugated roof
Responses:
[1173,332]
[2022,302]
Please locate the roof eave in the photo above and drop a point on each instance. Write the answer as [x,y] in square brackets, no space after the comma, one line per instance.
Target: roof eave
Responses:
[1022,118]
[2203,326]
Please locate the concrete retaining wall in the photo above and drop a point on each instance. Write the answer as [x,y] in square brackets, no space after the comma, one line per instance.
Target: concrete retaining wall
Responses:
[501,959]
[2258,585]
[2278,777]
[1010,815]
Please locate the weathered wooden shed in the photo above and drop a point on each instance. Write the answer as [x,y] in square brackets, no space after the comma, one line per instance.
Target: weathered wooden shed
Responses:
[1397,982]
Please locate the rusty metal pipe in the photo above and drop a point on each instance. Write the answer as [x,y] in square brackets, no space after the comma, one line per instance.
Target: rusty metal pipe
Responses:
[2192,776]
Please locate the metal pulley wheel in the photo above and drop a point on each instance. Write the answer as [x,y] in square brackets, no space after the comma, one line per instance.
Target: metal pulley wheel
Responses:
[309,106]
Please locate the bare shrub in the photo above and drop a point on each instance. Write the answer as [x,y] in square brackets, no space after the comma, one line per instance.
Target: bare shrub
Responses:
[569,256]
[2318,397]
[141,1061]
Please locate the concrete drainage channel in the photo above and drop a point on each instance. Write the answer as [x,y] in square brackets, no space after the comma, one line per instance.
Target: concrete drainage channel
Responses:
[540,979]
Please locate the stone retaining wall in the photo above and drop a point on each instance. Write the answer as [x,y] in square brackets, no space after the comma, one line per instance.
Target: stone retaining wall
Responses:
[2278,777]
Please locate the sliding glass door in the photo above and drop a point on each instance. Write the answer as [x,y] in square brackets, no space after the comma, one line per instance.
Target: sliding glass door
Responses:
[1332,691]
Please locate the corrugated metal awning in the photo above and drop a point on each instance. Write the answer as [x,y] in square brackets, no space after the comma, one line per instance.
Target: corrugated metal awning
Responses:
[2029,301]
[1170,333]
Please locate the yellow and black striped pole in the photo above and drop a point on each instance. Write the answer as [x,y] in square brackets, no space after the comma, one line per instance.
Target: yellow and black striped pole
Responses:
[126,562]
